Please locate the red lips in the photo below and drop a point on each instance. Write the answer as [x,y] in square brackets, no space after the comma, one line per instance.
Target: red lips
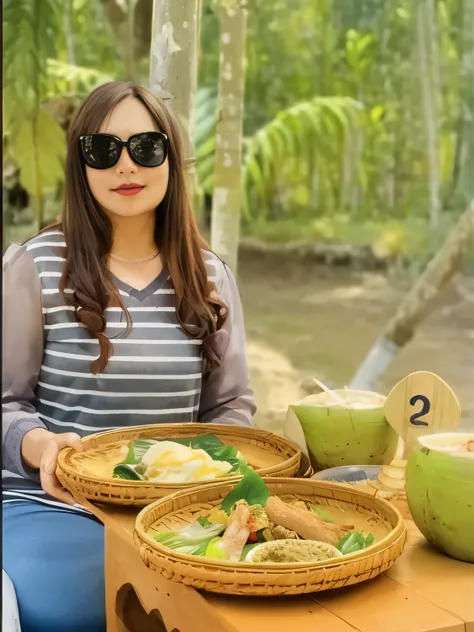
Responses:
[130,188]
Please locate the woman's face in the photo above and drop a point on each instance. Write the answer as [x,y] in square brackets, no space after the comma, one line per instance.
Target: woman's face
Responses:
[129,117]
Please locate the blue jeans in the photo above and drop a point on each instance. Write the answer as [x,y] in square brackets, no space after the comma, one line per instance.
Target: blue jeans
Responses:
[55,560]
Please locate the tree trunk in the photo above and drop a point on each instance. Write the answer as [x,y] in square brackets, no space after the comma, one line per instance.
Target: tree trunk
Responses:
[68,33]
[346,192]
[143,21]
[121,17]
[429,83]
[129,43]
[227,198]
[418,302]
[173,67]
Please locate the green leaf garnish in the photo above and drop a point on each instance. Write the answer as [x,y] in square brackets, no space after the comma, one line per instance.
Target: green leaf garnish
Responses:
[247,548]
[251,489]
[355,541]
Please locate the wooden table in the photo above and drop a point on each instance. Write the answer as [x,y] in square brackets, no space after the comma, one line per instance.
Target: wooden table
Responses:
[424,591]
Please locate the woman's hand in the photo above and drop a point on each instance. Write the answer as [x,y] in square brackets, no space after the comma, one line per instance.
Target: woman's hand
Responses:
[40,449]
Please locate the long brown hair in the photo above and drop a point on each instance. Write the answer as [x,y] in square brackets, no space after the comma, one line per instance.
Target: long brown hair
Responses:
[88,233]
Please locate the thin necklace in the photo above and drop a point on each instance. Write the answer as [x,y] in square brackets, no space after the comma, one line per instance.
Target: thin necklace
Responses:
[143,260]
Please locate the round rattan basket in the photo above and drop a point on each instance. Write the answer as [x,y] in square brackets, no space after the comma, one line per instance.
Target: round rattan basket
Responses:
[89,474]
[243,578]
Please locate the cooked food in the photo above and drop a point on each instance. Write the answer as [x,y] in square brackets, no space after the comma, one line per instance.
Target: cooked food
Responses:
[183,460]
[291,551]
[251,525]
[237,533]
[276,532]
[175,463]
[303,522]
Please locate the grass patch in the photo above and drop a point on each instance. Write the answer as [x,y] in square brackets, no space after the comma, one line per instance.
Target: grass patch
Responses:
[410,237]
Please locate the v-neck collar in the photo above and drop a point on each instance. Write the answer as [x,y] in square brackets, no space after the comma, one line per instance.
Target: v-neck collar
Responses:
[141,295]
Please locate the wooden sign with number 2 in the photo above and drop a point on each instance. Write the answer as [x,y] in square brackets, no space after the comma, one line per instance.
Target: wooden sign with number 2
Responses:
[422,403]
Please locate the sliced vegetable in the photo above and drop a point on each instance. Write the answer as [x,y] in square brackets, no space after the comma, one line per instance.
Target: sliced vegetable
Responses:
[214,550]
[218,516]
[126,472]
[355,541]
[251,489]
[193,540]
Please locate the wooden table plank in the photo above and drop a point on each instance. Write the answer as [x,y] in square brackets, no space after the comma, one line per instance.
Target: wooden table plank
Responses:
[271,614]
[437,578]
[382,604]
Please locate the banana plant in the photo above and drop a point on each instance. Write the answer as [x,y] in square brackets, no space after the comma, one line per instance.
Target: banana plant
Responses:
[311,132]
[33,138]
[33,79]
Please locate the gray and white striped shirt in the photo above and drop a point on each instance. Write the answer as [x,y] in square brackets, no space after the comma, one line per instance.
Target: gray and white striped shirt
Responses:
[154,376]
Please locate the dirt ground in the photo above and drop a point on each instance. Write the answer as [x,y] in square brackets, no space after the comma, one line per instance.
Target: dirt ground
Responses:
[314,321]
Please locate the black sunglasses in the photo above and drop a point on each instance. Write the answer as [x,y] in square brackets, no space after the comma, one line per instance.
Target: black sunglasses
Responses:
[102,151]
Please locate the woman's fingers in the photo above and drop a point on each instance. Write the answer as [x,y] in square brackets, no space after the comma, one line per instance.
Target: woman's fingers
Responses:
[49,461]
[69,440]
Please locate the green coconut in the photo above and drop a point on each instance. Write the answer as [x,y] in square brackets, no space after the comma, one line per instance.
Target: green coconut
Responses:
[440,493]
[356,434]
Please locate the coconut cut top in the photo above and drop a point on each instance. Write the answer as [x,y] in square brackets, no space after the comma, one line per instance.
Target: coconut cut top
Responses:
[459,444]
[353,399]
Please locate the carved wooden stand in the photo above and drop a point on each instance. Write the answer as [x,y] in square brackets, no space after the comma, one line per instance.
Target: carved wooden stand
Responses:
[424,590]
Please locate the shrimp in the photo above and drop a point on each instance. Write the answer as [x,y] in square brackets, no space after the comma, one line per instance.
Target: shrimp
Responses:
[236,535]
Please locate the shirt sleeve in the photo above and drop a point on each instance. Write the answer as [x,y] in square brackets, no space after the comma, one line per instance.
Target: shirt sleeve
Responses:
[226,396]
[22,354]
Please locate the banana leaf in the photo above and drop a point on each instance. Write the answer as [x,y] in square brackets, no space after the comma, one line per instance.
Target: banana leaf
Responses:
[137,450]
[251,488]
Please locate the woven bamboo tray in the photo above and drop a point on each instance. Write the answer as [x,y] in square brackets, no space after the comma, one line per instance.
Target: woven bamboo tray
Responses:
[270,579]
[89,474]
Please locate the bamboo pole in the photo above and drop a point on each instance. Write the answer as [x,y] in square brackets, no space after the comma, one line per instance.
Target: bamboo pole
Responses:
[227,196]
[418,302]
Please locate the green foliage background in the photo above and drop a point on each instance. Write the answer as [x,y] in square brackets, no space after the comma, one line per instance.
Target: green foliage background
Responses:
[333,132]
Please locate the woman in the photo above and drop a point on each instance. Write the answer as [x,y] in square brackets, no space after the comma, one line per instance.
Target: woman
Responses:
[118,316]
